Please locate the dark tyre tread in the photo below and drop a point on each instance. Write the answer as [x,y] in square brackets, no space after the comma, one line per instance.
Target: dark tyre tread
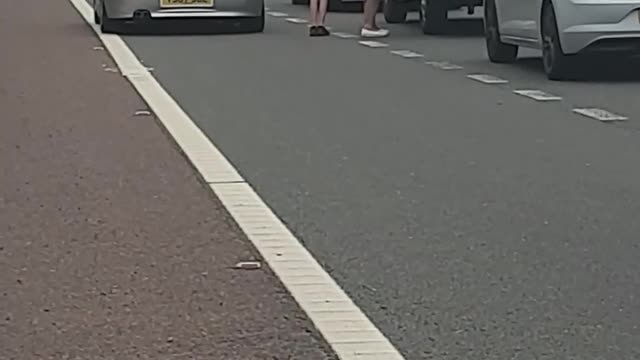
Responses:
[557,65]
[433,17]
[255,25]
[394,12]
[498,51]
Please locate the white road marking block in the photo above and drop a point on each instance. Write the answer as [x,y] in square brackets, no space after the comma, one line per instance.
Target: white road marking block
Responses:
[277,14]
[487,79]
[373,44]
[344,35]
[538,95]
[599,114]
[407,54]
[443,65]
[309,284]
[296,20]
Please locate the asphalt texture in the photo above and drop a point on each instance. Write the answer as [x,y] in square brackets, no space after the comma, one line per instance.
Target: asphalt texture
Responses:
[110,247]
[466,221]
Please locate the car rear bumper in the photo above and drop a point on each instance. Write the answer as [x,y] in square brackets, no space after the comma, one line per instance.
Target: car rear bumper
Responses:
[126,9]
[453,4]
[599,26]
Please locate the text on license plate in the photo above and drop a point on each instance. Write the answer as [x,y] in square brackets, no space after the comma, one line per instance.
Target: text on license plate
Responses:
[185,3]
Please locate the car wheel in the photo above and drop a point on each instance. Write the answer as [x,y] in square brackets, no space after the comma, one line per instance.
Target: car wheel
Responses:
[255,24]
[107,25]
[556,64]
[498,51]
[433,16]
[394,12]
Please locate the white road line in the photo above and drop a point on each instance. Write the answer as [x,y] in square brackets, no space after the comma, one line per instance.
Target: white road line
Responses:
[296,20]
[487,79]
[344,35]
[373,44]
[301,274]
[277,14]
[600,114]
[444,65]
[408,54]
[538,95]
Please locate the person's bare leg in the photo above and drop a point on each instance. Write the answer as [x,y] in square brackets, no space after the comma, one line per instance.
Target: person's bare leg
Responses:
[370,29]
[370,13]
[313,12]
[322,11]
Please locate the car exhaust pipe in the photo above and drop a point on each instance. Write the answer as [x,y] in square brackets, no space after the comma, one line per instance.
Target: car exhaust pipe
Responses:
[141,14]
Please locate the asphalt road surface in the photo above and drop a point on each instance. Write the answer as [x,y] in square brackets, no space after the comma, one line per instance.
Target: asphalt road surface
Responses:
[467,221]
[110,245]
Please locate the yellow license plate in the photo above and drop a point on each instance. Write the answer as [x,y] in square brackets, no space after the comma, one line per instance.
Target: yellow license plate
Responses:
[185,3]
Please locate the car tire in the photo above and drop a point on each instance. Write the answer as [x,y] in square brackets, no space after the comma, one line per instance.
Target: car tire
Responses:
[498,51]
[557,65]
[255,24]
[394,12]
[433,16]
[96,17]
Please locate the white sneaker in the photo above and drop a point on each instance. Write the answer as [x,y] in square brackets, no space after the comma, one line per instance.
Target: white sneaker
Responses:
[380,33]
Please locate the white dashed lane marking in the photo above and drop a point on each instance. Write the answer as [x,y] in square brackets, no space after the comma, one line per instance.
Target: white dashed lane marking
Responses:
[277,14]
[343,35]
[373,44]
[538,95]
[340,321]
[487,79]
[444,65]
[407,54]
[599,114]
[297,21]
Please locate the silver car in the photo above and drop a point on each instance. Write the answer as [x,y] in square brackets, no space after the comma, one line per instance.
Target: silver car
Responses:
[563,29]
[111,14]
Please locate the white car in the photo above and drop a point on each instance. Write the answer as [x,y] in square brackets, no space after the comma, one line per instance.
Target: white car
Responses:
[562,29]
[111,14]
